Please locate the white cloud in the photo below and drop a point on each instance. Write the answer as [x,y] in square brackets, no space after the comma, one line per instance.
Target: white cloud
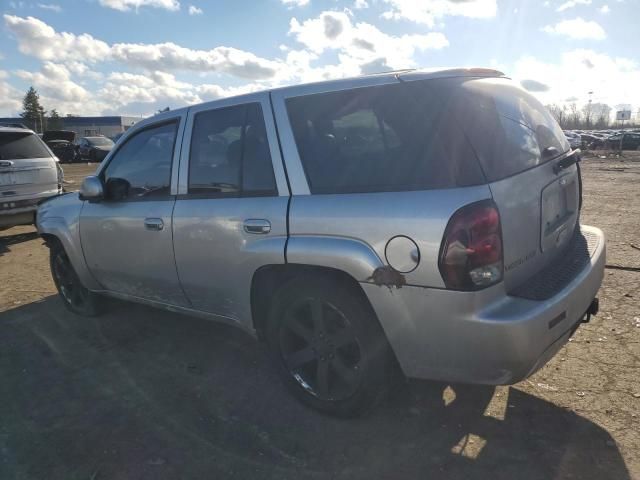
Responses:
[10,98]
[613,80]
[54,81]
[50,6]
[126,5]
[193,10]
[604,9]
[360,4]
[169,56]
[295,3]
[361,47]
[578,29]
[572,3]
[430,11]
[37,39]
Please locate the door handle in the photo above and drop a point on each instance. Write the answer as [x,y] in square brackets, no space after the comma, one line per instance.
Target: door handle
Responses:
[257,226]
[155,224]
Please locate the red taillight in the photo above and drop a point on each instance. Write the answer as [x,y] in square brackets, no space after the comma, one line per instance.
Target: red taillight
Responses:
[471,251]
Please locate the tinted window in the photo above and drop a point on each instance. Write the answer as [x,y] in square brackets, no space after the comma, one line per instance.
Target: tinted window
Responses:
[230,153]
[144,163]
[16,145]
[389,138]
[510,130]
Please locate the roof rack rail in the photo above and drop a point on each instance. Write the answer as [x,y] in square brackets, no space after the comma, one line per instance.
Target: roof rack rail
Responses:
[14,125]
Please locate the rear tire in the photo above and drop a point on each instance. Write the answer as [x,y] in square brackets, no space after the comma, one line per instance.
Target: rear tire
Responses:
[328,346]
[74,295]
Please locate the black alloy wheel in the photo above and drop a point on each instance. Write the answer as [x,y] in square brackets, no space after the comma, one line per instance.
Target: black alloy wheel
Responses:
[320,349]
[75,296]
[328,346]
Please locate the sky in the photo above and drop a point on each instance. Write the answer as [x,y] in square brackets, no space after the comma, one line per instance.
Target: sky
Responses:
[134,57]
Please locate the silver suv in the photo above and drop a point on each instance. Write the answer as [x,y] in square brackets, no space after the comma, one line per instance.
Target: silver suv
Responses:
[426,220]
[29,174]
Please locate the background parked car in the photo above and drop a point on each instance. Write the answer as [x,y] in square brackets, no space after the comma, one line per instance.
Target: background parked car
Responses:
[29,173]
[623,141]
[590,140]
[574,139]
[94,149]
[61,143]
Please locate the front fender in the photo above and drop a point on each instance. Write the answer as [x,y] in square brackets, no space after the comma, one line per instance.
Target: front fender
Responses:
[349,255]
[60,218]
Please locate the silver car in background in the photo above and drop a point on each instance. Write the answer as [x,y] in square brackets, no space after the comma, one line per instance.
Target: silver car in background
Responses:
[29,174]
[426,220]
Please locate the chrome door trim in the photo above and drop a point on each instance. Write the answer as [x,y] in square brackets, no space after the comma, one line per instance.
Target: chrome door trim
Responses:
[274,149]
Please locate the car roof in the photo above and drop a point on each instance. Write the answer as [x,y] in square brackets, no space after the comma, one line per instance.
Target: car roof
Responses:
[358,81]
[15,129]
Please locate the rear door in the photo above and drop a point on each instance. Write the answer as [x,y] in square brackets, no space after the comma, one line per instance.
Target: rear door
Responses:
[520,147]
[230,217]
[27,167]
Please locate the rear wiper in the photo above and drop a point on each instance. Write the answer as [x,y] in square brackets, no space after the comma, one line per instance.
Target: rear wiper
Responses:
[567,161]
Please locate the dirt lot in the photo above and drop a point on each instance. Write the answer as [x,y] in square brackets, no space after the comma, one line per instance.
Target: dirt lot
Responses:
[144,394]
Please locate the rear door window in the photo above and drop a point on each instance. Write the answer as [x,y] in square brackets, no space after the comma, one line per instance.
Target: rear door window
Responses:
[17,145]
[384,138]
[229,153]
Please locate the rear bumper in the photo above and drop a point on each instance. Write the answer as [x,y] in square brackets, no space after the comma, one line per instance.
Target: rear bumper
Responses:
[486,337]
[21,210]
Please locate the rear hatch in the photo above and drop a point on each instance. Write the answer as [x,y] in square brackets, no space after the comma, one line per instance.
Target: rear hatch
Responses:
[530,169]
[26,165]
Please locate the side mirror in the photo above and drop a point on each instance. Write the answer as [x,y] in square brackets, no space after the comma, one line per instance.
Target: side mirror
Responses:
[92,189]
[117,189]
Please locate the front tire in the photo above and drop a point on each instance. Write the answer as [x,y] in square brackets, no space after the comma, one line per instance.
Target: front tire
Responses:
[328,346]
[74,295]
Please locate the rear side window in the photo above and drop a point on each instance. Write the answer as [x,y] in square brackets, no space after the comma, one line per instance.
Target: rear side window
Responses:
[17,145]
[510,130]
[384,138]
[229,153]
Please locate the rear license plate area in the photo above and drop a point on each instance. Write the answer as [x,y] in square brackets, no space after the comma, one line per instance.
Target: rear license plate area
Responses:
[559,208]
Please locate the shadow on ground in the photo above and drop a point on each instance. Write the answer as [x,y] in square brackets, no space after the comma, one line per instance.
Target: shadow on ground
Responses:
[140,393]
[6,241]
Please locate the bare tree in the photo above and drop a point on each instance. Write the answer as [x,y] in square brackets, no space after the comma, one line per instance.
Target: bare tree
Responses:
[601,114]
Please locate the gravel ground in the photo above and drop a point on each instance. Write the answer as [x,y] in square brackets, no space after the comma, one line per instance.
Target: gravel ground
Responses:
[140,393]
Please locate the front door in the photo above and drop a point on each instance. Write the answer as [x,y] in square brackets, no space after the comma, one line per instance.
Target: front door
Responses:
[230,215]
[127,238]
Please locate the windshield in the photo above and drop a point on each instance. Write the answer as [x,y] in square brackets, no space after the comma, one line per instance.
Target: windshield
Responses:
[17,145]
[100,142]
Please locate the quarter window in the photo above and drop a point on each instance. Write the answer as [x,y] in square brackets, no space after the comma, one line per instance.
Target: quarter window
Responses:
[377,139]
[230,153]
[142,166]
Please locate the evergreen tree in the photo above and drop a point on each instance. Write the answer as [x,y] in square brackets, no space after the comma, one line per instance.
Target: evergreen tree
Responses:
[32,111]
[54,122]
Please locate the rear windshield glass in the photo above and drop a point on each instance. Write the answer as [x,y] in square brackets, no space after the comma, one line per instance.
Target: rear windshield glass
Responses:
[16,145]
[509,129]
[383,138]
